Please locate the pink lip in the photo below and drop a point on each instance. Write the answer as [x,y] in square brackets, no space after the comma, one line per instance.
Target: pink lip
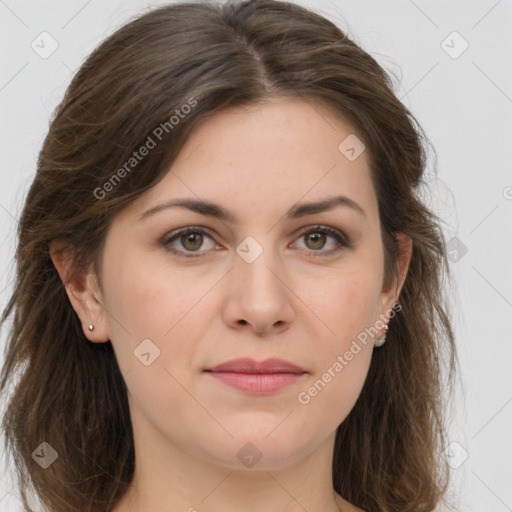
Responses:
[246,365]
[257,377]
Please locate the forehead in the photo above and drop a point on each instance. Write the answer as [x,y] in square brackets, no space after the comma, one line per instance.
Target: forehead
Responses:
[278,152]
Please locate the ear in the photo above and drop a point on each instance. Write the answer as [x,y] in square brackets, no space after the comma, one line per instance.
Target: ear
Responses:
[390,295]
[83,291]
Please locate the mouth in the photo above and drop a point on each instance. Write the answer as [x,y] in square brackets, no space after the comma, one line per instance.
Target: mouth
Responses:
[258,378]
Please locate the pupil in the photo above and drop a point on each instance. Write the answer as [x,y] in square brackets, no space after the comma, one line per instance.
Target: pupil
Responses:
[317,236]
[189,238]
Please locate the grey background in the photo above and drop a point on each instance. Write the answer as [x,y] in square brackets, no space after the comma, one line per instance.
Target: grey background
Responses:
[463,103]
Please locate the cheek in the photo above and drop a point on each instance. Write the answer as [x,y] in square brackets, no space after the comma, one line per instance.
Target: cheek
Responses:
[155,318]
[148,298]
[346,308]
[343,362]
[346,302]
[157,303]
[333,393]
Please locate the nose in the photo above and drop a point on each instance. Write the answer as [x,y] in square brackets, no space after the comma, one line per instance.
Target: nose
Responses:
[259,296]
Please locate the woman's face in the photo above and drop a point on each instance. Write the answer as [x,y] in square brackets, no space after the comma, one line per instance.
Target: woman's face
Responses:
[267,282]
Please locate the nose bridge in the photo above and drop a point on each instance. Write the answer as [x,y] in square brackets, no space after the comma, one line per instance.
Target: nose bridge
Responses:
[258,265]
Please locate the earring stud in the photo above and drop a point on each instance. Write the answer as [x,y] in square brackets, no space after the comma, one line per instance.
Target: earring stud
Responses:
[91,327]
[381,341]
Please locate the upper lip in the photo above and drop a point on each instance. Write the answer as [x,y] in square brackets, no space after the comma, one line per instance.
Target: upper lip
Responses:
[247,365]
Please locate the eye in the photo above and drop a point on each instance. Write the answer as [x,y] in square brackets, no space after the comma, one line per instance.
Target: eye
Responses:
[191,239]
[316,237]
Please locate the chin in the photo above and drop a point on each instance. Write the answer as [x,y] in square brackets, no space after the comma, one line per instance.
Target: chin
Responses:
[259,450]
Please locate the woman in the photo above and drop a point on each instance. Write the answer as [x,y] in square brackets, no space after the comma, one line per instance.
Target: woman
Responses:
[228,293]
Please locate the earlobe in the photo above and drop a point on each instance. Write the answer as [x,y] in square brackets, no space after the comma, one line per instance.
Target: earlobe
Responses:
[83,293]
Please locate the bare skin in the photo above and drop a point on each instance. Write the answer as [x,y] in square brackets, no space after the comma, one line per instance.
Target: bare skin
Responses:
[300,299]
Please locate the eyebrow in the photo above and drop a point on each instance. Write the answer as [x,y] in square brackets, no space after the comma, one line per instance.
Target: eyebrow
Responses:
[219,212]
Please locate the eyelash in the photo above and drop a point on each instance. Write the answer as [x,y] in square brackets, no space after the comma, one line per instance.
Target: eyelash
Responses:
[339,237]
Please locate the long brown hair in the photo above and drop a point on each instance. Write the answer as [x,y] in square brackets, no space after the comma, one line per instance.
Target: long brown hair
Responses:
[70,392]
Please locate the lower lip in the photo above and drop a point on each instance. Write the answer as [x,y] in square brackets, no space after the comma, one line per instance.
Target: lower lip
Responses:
[258,383]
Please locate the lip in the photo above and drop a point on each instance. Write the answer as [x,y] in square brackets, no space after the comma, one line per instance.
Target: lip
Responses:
[256,377]
[247,365]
